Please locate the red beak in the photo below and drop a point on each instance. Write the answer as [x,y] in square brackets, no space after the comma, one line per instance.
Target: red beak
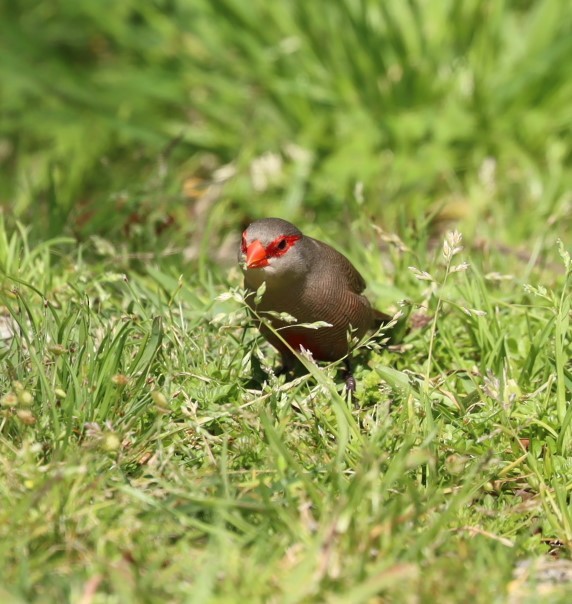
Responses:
[256,255]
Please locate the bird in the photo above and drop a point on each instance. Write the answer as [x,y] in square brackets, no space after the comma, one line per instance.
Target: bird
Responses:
[310,281]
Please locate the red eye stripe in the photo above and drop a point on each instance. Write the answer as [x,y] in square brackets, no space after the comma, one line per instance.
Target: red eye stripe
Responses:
[243,245]
[281,245]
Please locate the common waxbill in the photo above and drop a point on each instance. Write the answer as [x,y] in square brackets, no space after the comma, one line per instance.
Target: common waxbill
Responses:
[310,281]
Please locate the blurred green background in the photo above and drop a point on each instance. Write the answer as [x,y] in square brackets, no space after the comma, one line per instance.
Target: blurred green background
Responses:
[167,120]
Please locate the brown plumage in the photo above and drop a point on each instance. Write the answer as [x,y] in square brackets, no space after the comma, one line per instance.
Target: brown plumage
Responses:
[309,280]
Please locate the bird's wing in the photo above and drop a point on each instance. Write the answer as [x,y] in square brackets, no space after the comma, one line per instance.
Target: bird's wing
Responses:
[345,270]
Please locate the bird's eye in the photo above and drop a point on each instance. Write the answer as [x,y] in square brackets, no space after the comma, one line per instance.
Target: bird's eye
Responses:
[243,246]
[282,244]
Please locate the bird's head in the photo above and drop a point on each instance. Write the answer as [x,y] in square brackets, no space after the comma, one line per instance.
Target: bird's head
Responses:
[271,249]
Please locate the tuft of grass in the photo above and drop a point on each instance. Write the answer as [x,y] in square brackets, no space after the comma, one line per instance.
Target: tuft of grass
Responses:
[134,441]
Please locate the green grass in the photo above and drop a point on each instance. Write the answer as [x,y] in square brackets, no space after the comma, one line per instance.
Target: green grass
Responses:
[148,451]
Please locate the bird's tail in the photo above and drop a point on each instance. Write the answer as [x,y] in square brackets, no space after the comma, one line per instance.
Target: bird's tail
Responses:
[381,318]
